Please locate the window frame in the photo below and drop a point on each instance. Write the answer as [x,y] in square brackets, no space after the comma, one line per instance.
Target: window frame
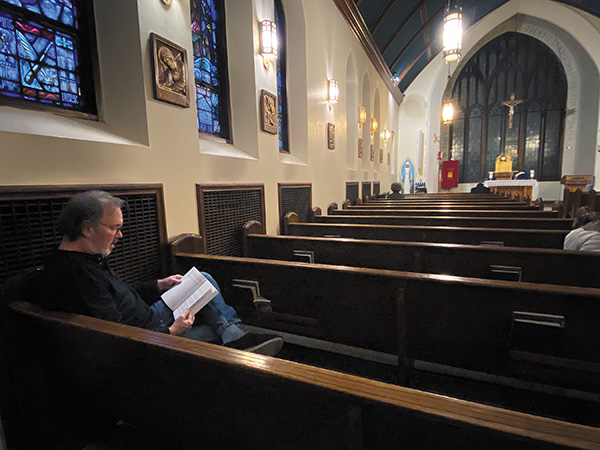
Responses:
[501,74]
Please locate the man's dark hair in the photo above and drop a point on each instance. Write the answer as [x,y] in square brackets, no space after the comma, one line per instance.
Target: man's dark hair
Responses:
[582,216]
[85,206]
[396,187]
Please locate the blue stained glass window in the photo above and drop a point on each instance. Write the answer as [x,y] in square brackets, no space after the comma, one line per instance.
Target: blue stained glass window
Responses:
[39,53]
[282,109]
[207,25]
[63,11]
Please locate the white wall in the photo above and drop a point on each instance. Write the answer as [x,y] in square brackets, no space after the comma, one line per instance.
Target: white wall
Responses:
[142,140]
[572,34]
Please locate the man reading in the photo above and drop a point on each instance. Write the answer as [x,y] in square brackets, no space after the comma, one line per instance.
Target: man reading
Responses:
[78,280]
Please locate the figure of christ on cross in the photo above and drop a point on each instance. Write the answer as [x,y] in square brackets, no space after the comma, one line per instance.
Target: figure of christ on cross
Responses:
[511,108]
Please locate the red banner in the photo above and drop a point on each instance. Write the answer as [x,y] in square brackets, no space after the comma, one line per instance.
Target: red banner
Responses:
[449,174]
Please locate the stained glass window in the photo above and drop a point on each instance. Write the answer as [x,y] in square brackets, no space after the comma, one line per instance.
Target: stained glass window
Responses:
[40,53]
[532,135]
[282,110]
[208,41]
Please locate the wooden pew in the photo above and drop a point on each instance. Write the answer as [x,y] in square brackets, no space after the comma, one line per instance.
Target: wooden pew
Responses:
[179,393]
[575,199]
[571,268]
[449,205]
[456,235]
[449,220]
[29,235]
[333,210]
[523,332]
[415,201]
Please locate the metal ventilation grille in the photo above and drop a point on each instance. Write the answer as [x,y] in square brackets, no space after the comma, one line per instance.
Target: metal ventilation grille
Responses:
[28,233]
[223,211]
[295,198]
[352,191]
[366,189]
[137,256]
[376,188]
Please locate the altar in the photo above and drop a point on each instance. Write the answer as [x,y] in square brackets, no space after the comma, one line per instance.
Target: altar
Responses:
[509,188]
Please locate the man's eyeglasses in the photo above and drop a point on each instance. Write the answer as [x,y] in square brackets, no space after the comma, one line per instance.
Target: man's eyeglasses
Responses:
[114,228]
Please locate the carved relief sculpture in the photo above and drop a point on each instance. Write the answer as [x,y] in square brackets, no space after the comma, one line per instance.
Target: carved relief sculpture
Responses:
[330,136]
[170,71]
[268,108]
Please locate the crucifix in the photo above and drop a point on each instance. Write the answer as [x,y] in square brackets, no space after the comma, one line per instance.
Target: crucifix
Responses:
[511,108]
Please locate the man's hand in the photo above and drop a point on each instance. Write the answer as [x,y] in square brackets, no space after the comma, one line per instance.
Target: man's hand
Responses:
[167,283]
[182,323]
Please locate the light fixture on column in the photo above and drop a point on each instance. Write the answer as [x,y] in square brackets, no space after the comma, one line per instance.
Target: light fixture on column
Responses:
[362,116]
[374,125]
[395,78]
[268,42]
[333,92]
[452,34]
[447,112]
[387,134]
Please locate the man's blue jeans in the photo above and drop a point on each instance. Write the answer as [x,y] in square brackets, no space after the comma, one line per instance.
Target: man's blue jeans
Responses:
[215,323]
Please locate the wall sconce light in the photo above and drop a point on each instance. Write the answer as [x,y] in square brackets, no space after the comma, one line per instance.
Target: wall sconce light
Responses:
[447,112]
[387,134]
[362,116]
[452,34]
[395,78]
[374,125]
[333,92]
[268,42]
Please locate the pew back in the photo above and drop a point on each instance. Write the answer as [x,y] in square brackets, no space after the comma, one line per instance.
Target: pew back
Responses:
[442,211]
[180,393]
[449,205]
[572,268]
[457,235]
[449,220]
[319,301]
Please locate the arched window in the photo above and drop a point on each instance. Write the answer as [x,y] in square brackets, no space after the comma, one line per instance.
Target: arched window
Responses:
[282,108]
[45,53]
[210,67]
[528,127]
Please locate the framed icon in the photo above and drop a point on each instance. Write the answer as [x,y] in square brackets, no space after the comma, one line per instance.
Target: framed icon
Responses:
[169,62]
[268,112]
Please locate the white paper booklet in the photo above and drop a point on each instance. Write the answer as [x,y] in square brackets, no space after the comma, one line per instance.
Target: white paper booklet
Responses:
[194,292]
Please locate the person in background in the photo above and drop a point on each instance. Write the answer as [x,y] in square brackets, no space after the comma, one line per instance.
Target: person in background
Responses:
[586,233]
[396,191]
[480,189]
[77,279]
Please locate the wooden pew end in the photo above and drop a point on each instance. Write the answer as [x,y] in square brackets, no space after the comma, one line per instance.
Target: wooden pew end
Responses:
[250,227]
[290,217]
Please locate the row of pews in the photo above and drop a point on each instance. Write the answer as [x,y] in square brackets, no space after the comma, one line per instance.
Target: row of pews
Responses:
[65,378]
[519,318]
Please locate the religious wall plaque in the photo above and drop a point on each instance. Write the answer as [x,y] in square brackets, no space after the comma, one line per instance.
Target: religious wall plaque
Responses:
[268,112]
[169,62]
[360,148]
[330,136]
